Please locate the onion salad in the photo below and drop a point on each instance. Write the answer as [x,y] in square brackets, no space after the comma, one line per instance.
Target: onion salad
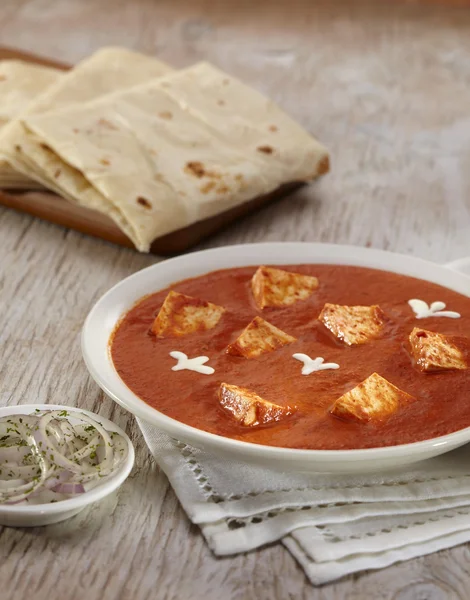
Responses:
[49,456]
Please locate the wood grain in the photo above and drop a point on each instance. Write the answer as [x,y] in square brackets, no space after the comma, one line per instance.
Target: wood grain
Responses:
[55,209]
[387,88]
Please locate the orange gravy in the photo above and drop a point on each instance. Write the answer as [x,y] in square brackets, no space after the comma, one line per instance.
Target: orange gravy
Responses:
[442,399]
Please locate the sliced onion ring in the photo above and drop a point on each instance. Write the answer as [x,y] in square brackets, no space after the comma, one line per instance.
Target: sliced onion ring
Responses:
[45,454]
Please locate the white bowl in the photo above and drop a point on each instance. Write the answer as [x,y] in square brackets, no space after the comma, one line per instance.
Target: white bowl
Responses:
[33,515]
[110,308]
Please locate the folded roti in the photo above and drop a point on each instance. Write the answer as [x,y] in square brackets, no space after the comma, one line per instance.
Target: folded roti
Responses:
[250,120]
[154,162]
[20,83]
[106,71]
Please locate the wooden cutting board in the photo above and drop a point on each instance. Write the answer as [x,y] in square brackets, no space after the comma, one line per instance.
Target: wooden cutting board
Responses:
[55,209]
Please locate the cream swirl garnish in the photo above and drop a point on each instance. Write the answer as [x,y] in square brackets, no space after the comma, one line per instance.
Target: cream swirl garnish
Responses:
[313,364]
[422,310]
[191,364]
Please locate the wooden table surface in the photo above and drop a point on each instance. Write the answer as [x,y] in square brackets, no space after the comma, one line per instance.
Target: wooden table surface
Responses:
[387,87]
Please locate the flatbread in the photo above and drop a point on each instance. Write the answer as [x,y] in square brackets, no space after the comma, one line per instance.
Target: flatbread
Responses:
[20,83]
[106,71]
[154,164]
[250,120]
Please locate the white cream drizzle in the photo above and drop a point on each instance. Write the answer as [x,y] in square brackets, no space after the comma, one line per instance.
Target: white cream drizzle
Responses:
[191,364]
[422,310]
[313,364]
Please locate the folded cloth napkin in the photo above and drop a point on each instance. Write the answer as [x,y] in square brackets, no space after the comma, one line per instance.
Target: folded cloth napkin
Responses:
[333,525]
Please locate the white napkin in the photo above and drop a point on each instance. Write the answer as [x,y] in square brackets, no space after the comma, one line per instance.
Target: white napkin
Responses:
[332,524]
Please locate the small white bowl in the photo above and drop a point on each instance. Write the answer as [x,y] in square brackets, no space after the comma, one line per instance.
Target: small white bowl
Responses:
[33,515]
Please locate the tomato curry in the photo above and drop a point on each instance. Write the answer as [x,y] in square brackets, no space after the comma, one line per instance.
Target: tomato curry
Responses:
[441,399]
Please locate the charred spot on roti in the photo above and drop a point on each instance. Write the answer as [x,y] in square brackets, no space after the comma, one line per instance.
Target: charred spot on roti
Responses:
[105,161]
[223,189]
[166,114]
[17,148]
[273,128]
[3,77]
[45,147]
[265,149]
[239,177]
[76,130]
[144,202]
[221,102]
[208,187]
[107,124]
[323,166]
[57,173]
[195,168]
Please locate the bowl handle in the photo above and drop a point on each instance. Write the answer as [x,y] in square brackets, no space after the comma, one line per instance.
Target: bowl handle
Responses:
[462,265]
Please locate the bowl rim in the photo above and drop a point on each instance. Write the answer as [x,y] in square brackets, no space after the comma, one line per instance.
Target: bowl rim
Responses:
[98,492]
[380,259]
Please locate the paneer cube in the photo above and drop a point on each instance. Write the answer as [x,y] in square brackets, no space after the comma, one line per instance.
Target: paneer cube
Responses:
[353,324]
[436,352]
[257,338]
[373,399]
[248,408]
[276,287]
[181,315]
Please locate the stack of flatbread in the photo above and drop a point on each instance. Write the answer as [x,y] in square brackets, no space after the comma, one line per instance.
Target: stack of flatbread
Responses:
[153,148]
[20,83]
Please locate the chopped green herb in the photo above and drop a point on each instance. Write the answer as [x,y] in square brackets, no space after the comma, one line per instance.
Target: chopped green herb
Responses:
[36,464]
